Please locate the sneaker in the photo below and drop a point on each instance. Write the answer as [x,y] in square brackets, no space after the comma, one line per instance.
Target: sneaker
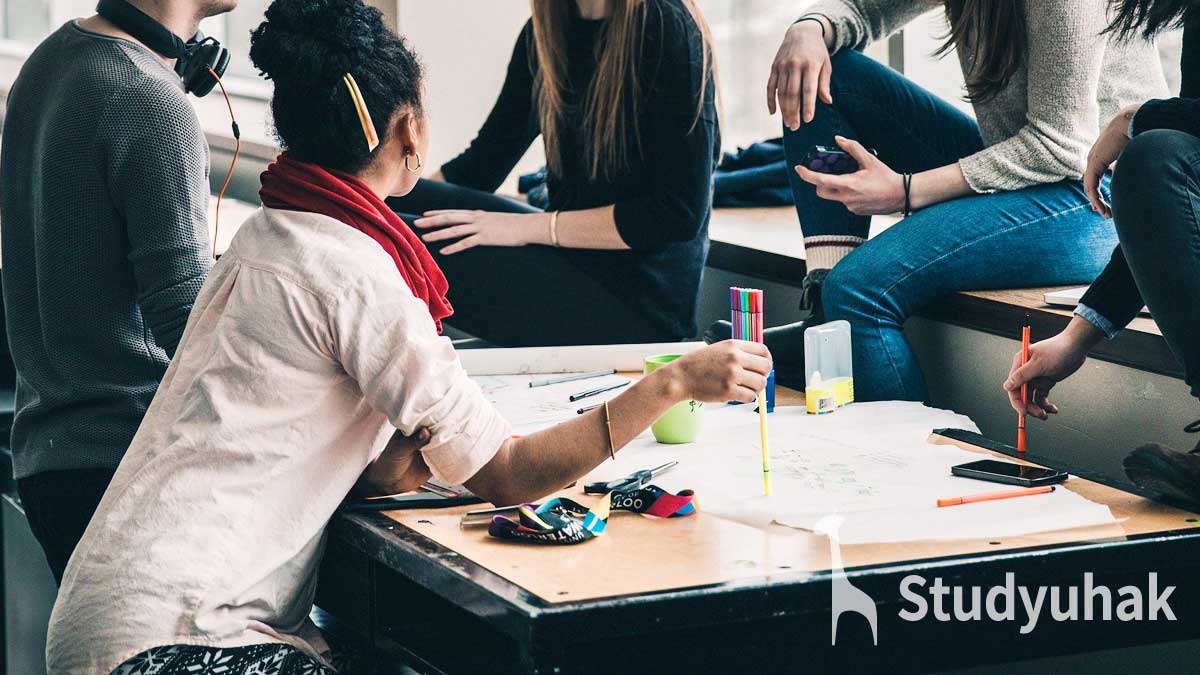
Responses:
[810,296]
[1166,471]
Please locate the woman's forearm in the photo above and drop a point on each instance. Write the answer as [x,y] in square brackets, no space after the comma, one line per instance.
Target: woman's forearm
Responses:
[590,228]
[938,185]
[530,467]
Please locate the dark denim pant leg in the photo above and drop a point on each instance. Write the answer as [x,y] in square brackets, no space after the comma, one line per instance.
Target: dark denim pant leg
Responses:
[909,127]
[1155,196]
[428,195]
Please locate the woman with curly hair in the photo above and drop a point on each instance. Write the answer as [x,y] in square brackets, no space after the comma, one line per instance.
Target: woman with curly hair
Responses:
[312,365]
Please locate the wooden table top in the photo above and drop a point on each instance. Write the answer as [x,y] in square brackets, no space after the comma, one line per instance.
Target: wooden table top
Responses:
[639,554]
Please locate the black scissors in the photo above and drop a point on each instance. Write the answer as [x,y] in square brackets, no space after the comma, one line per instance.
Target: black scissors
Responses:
[634,480]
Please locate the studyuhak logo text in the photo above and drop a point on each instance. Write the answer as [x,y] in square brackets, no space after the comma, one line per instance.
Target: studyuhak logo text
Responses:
[1018,604]
[1022,606]
[1027,606]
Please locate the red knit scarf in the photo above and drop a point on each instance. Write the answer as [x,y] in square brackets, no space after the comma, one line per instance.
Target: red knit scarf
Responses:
[301,186]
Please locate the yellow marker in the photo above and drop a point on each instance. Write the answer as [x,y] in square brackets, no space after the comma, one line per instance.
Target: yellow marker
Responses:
[766,448]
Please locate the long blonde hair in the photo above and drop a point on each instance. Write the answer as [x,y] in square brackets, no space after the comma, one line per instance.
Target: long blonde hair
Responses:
[611,104]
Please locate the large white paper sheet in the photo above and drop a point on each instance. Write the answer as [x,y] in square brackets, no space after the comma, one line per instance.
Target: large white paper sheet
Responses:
[576,359]
[529,409]
[869,462]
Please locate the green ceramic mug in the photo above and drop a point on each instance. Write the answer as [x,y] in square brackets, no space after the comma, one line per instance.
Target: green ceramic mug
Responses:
[680,424]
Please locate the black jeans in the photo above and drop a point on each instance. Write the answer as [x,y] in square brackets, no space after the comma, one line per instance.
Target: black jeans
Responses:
[526,296]
[59,505]
[1155,194]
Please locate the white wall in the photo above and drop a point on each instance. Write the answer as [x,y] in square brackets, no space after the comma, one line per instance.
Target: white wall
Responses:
[465,46]
[941,75]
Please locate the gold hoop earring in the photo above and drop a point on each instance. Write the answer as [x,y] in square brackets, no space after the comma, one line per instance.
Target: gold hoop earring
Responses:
[411,167]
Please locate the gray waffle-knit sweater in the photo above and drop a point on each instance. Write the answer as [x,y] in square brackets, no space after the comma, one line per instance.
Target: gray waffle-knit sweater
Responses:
[1038,129]
[104,181]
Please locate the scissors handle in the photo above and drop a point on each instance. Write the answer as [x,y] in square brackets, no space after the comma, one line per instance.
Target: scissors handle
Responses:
[605,487]
[635,479]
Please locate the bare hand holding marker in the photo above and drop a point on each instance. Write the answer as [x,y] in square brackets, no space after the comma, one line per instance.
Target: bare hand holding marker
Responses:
[1050,362]
[1104,153]
[872,190]
[800,73]
[730,370]
[483,228]
[400,467]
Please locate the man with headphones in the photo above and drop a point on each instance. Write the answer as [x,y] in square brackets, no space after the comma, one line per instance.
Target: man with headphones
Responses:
[104,198]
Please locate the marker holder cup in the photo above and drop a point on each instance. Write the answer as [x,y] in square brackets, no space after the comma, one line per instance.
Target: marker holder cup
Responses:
[828,367]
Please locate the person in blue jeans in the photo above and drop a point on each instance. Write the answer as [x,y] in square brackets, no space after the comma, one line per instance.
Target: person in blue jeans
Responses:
[1156,146]
[991,202]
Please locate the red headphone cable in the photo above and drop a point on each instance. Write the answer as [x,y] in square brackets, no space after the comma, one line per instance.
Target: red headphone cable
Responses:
[237,149]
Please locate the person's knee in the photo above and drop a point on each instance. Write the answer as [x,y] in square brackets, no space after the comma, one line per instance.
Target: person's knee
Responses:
[861,289]
[843,293]
[1154,166]
[1153,160]
[849,65]
[848,69]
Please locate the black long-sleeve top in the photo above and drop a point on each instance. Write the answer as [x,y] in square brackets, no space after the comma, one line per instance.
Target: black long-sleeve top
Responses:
[662,202]
[1114,296]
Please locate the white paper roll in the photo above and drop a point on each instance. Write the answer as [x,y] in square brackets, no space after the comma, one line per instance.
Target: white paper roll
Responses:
[583,358]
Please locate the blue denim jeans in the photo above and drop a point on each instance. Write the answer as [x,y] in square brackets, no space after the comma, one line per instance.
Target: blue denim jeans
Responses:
[1043,235]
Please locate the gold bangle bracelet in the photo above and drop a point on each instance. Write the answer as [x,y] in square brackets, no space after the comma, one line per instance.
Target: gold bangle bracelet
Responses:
[554,229]
[612,451]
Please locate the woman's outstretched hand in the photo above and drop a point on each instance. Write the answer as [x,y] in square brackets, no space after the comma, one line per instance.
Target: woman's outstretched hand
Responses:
[800,73]
[1050,362]
[482,228]
[731,370]
[872,190]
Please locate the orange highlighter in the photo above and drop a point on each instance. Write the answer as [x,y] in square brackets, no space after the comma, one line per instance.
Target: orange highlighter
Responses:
[989,496]
[1024,387]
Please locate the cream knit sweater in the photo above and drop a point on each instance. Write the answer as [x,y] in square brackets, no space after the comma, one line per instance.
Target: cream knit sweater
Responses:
[1073,80]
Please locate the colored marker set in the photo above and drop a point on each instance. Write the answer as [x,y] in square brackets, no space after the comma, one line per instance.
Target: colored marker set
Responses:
[746,305]
[746,314]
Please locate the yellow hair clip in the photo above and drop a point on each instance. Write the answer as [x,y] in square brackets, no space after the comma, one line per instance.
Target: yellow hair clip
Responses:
[364,115]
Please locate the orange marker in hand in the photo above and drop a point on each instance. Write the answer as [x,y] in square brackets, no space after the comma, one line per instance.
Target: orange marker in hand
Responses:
[1024,387]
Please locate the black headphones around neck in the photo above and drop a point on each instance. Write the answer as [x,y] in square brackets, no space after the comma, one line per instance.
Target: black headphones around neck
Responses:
[193,58]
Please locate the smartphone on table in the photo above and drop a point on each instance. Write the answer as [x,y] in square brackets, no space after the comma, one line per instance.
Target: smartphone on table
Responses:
[1009,473]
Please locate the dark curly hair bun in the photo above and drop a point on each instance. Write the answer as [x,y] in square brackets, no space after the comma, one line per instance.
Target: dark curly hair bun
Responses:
[305,47]
[315,39]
